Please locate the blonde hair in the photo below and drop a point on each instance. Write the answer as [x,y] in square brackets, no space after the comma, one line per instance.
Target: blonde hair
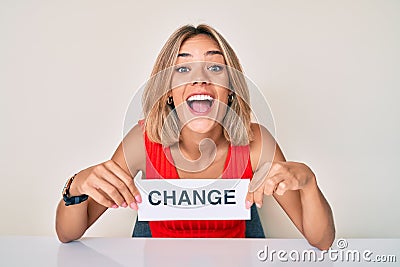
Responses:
[159,126]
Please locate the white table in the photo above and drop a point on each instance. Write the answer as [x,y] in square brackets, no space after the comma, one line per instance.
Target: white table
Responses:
[98,252]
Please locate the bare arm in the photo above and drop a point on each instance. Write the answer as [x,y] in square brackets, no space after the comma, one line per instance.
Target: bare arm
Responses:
[295,188]
[108,185]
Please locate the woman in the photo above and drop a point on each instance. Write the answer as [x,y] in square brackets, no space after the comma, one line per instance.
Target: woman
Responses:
[197,120]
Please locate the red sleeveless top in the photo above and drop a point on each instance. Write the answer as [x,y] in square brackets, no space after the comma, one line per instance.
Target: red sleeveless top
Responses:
[237,165]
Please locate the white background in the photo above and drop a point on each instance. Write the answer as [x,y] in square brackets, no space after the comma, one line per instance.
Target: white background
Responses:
[329,69]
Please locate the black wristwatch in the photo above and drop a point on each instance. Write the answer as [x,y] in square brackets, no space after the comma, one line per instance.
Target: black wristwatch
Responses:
[72,200]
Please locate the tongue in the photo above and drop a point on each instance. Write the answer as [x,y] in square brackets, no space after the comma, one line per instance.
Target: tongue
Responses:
[201,106]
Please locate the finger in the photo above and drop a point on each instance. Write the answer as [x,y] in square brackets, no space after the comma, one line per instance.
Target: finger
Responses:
[259,176]
[258,197]
[126,179]
[102,171]
[281,188]
[123,190]
[111,191]
[285,185]
[133,205]
[101,199]
[249,199]
[271,184]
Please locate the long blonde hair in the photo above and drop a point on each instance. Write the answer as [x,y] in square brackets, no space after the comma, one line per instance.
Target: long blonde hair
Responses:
[154,100]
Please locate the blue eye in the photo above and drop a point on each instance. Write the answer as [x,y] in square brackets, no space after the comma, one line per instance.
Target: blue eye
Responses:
[215,68]
[182,69]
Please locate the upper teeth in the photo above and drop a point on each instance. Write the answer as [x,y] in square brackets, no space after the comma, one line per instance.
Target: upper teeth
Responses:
[199,97]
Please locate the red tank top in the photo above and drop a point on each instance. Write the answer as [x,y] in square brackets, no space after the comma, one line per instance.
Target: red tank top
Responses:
[237,165]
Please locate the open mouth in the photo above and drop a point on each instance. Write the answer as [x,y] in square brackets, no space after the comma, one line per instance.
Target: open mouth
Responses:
[200,104]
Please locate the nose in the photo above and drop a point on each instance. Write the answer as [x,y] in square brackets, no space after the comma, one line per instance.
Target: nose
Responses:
[199,83]
[199,75]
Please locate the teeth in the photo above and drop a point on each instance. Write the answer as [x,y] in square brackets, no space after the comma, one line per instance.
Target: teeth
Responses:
[199,97]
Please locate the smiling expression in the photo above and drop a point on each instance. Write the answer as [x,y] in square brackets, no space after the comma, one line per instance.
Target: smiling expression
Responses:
[200,83]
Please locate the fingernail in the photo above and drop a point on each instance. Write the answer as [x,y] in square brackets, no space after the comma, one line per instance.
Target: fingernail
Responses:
[258,205]
[124,205]
[248,204]
[134,206]
[138,199]
[114,206]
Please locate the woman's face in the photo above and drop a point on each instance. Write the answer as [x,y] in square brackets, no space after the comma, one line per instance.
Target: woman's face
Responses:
[199,84]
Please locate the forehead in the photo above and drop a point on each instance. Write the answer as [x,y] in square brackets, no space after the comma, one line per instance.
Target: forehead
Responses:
[199,43]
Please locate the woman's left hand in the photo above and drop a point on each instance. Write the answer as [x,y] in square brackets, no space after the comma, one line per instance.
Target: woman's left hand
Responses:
[277,178]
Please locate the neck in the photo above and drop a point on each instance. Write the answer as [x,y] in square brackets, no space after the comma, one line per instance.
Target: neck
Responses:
[192,142]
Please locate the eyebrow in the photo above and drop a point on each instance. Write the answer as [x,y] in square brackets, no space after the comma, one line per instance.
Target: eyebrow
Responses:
[208,53]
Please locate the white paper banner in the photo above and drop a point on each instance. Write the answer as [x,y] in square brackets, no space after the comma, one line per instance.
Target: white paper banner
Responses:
[193,199]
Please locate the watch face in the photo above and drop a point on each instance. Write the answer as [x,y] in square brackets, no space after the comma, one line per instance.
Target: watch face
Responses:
[75,199]
[67,186]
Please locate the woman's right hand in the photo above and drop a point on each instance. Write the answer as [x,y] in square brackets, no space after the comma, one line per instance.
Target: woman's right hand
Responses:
[108,184]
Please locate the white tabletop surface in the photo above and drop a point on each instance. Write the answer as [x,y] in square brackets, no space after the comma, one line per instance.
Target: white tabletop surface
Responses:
[98,252]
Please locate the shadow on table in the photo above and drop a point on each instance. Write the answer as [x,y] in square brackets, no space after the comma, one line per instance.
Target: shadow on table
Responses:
[77,254]
[200,252]
[206,252]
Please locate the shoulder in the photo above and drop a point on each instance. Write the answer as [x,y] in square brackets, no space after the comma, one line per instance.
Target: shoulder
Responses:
[132,150]
[263,146]
[261,137]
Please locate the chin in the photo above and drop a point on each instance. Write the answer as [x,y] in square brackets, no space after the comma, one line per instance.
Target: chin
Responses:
[201,125]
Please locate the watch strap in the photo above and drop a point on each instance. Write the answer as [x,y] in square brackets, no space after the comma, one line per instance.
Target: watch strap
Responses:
[72,200]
